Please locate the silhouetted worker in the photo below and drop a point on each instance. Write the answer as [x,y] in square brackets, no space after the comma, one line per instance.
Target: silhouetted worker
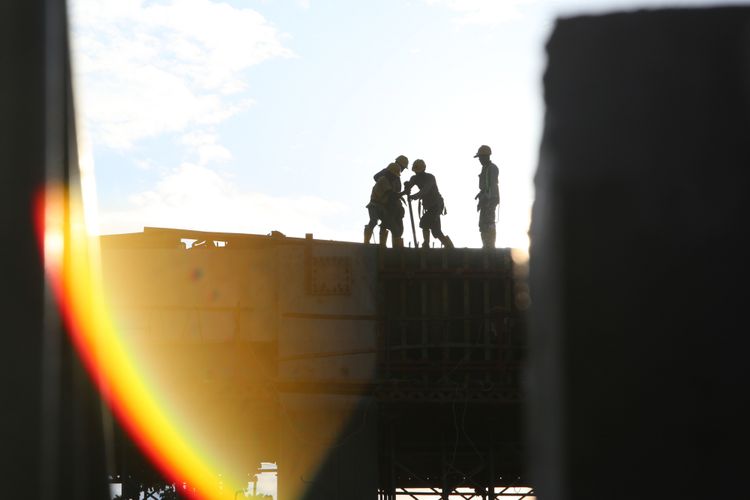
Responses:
[397,229]
[432,203]
[384,207]
[488,197]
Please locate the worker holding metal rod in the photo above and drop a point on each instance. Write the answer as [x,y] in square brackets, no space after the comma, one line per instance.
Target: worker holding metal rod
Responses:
[432,203]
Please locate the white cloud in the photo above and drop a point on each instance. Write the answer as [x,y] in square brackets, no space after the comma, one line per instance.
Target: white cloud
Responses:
[483,12]
[196,197]
[145,68]
[206,147]
[144,164]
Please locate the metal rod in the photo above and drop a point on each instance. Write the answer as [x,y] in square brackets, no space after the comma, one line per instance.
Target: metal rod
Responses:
[411,216]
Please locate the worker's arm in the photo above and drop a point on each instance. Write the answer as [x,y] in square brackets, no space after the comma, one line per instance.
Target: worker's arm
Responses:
[407,186]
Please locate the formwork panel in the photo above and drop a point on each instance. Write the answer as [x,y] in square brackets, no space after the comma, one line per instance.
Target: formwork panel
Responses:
[328,341]
[329,336]
[446,325]
[198,295]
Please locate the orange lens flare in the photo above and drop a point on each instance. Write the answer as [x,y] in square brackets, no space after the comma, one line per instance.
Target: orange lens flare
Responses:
[72,268]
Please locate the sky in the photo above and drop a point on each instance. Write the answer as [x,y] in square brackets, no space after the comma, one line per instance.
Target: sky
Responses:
[259,115]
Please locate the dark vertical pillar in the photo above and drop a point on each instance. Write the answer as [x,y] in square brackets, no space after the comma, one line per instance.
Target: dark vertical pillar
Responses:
[51,441]
[22,292]
[639,267]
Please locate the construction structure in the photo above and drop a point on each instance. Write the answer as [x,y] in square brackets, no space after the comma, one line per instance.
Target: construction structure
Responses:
[361,372]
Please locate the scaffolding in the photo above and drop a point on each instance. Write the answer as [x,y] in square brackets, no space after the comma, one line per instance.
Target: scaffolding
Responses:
[452,344]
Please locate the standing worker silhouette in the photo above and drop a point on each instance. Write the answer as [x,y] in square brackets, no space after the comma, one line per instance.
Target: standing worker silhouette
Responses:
[384,207]
[397,225]
[432,202]
[488,197]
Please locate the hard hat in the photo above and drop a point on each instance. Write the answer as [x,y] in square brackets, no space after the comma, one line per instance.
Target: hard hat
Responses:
[402,161]
[418,166]
[395,169]
[483,151]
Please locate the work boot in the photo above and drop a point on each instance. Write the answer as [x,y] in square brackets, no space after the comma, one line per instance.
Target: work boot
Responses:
[398,242]
[368,234]
[383,237]
[446,241]
[426,237]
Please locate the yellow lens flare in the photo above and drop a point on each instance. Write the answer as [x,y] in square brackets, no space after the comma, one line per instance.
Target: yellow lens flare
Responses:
[71,265]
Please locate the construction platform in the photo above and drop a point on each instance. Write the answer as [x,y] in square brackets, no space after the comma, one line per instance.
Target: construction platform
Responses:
[361,372]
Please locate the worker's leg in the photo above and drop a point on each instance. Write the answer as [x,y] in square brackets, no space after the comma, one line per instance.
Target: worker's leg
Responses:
[435,225]
[445,240]
[370,226]
[437,232]
[383,235]
[427,222]
[397,231]
[433,222]
[487,225]
[491,236]
[425,238]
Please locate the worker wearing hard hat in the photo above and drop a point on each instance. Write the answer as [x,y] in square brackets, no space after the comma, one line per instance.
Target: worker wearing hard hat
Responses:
[396,209]
[402,162]
[432,203]
[488,197]
[384,207]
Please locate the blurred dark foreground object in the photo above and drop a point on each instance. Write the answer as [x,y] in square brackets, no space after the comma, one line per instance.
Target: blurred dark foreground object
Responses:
[639,377]
[52,443]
